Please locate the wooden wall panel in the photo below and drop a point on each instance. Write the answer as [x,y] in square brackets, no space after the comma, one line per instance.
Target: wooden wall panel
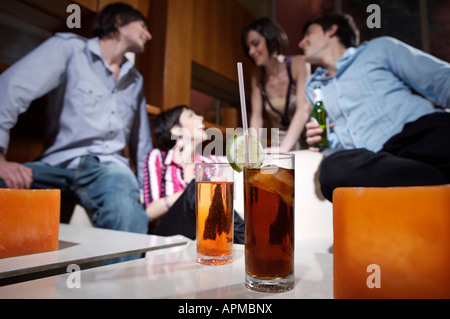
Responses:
[178,53]
[204,32]
[166,64]
[90,4]
[217,28]
[153,59]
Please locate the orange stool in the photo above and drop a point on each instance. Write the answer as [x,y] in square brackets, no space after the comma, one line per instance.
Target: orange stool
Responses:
[29,221]
[391,242]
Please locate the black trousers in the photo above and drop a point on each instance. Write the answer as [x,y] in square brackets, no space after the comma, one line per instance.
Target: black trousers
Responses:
[181,219]
[417,156]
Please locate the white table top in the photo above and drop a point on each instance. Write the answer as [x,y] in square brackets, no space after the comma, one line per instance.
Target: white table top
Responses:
[174,273]
[82,245]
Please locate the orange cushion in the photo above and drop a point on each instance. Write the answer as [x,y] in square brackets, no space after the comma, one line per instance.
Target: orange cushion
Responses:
[404,231]
[29,221]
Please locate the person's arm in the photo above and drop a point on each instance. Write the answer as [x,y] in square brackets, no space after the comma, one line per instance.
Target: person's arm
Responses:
[140,138]
[423,72]
[33,76]
[159,207]
[303,108]
[155,204]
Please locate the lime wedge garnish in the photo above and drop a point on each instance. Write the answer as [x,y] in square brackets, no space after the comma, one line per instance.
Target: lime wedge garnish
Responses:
[236,152]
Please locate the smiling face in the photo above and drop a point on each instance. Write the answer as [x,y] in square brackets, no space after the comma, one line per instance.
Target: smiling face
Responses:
[136,35]
[257,48]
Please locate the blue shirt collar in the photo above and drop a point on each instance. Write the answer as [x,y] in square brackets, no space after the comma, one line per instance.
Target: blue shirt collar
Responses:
[346,58]
[341,64]
[93,45]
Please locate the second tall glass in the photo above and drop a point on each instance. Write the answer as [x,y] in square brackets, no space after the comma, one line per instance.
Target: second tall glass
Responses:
[215,214]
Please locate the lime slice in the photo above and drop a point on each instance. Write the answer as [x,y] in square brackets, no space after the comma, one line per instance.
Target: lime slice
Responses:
[236,152]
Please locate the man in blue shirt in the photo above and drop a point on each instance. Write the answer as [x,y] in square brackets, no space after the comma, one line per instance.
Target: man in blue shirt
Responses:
[96,108]
[382,134]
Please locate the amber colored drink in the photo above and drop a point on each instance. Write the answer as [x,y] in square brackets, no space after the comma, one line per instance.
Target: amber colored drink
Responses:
[269,228]
[214,222]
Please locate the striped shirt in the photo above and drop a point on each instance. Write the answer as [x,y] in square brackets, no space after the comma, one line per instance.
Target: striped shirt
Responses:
[163,176]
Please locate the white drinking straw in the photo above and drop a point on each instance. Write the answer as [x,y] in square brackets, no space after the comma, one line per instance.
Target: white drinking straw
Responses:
[243,111]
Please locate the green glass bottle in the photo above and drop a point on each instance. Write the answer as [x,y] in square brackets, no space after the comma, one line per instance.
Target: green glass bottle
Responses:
[319,115]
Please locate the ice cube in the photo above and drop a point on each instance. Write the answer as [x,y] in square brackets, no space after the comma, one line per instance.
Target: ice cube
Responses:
[274,179]
[284,185]
[269,169]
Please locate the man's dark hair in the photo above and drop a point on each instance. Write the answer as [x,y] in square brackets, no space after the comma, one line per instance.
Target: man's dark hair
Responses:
[162,124]
[347,32]
[114,15]
[276,37]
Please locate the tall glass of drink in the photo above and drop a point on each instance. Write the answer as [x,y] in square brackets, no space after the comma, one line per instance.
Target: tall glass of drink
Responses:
[215,214]
[269,224]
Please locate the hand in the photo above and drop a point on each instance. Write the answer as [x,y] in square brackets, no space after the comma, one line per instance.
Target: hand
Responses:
[313,132]
[15,175]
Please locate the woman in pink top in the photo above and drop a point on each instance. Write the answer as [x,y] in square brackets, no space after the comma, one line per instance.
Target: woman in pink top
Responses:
[169,185]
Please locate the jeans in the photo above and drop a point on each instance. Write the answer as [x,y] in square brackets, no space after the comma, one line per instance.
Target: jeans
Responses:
[110,192]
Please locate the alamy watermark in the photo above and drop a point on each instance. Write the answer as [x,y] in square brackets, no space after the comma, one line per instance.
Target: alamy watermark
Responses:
[374,19]
[374,279]
[74,19]
[218,140]
[74,279]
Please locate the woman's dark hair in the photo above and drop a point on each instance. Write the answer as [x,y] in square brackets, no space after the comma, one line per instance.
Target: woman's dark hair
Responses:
[162,124]
[276,38]
[347,31]
[113,15]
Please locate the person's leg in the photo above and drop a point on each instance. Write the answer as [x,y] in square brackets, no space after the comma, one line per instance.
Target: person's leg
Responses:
[417,156]
[362,168]
[426,140]
[51,177]
[181,219]
[111,192]
[239,229]
[46,176]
